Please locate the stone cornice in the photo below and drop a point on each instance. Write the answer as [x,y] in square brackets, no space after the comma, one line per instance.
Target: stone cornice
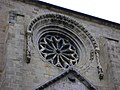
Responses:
[72,13]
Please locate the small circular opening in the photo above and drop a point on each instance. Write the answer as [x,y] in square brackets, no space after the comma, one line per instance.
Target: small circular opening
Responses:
[57,51]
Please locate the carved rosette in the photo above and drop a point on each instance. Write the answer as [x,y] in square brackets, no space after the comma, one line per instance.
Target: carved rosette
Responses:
[58,50]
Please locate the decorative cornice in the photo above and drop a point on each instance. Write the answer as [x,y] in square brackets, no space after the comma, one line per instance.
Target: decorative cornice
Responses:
[72,13]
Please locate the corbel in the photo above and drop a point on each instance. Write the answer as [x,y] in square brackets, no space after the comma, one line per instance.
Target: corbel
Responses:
[28,49]
[99,67]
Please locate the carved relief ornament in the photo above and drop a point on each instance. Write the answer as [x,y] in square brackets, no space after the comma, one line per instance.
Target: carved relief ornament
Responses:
[63,42]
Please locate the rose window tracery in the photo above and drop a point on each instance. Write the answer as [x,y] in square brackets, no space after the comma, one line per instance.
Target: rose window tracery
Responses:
[58,50]
[62,41]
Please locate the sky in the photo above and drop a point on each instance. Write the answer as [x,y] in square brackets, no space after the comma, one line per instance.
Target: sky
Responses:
[105,9]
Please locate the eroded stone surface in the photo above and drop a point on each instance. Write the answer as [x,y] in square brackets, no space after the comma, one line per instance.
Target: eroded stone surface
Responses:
[16,74]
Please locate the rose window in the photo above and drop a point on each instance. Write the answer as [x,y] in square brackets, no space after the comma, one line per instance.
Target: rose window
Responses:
[58,50]
[61,41]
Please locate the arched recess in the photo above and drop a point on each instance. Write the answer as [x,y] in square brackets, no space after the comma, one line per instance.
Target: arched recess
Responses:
[62,41]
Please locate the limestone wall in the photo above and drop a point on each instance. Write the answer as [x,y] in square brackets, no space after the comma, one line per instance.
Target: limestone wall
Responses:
[15,17]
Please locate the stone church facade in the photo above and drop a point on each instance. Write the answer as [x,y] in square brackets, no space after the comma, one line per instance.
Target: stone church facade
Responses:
[46,47]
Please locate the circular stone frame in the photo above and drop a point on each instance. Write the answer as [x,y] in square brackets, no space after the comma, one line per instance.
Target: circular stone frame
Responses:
[58,46]
[67,28]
